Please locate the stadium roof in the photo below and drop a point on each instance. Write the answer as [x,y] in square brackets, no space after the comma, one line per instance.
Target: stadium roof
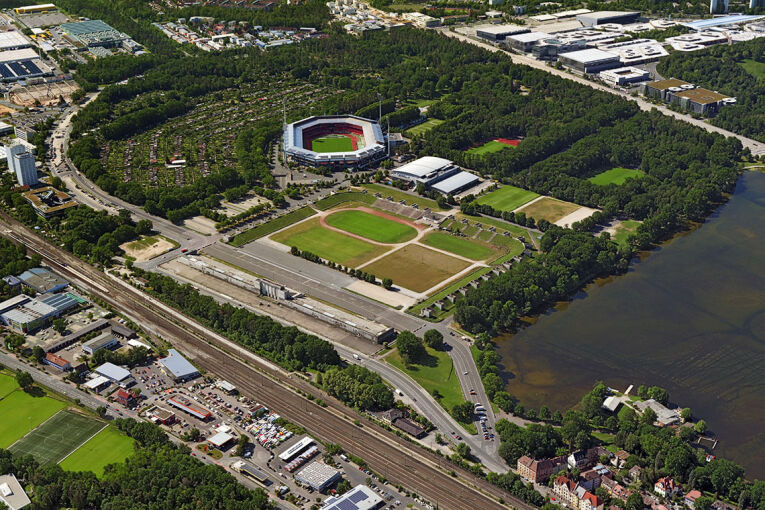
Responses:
[360,497]
[113,372]
[724,20]
[11,492]
[455,183]
[178,365]
[590,56]
[420,168]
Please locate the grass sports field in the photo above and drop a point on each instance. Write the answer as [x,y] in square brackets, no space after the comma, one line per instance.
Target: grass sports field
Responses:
[416,267]
[109,446]
[488,147]
[549,209]
[7,385]
[328,244]
[21,412]
[272,226]
[342,198]
[425,126]
[372,227]
[57,437]
[616,176]
[624,230]
[507,198]
[756,69]
[338,143]
[458,245]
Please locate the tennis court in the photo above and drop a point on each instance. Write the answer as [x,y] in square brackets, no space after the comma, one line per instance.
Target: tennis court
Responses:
[56,438]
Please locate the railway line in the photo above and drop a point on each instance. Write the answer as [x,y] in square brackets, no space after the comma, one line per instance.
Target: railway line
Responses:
[398,460]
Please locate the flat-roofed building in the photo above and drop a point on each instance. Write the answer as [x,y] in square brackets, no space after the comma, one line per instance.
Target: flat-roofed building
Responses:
[499,32]
[291,452]
[688,96]
[13,40]
[318,475]
[115,374]
[178,367]
[590,60]
[360,497]
[221,439]
[97,383]
[624,75]
[524,42]
[36,313]
[48,201]
[11,492]
[43,280]
[456,183]
[105,340]
[592,19]
[249,471]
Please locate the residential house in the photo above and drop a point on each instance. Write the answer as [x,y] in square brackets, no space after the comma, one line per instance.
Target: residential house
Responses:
[125,398]
[564,489]
[590,479]
[615,489]
[539,471]
[635,472]
[590,501]
[690,498]
[620,458]
[57,362]
[666,487]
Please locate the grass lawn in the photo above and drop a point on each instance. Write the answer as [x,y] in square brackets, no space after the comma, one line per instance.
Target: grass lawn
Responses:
[425,126]
[57,437]
[488,147]
[445,291]
[507,198]
[485,235]
[372,227]
[473,250]
[398,195]
[328,244]
[616,176]
[272,226]
[470,230]
[340,198]
[7,385]
[416,268]
[549,209]
[143,243]
[500,225]
[107,447]
[332,144]
[435,372]
[624,230]
[756,69]
[21,412]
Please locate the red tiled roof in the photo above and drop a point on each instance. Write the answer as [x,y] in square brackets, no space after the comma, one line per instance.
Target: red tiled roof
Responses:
[592,498]
[58,360]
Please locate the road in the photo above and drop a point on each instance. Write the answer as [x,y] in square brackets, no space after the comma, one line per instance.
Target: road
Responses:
[757,148]
[394,457]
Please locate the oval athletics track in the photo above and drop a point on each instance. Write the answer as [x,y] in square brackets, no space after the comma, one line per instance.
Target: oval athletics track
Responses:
[374,212]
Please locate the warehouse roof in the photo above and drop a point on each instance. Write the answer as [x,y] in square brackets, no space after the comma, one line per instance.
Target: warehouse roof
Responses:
[501,29]
[455,183]
[178,366]
[100,341]
[590,56]
[86,27]
[62,302]
[14,302]
[42,280]
[608,14]
[360,497]
[113,372]
[96,382]
[11,492]
[13,39]
[724,20]
[528,37]
[318,475]
[423,166]
[18,55]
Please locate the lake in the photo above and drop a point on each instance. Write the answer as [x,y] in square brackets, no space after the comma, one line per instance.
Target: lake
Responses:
[690,317]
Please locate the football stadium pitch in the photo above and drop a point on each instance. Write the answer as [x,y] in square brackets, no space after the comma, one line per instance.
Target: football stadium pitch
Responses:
[458,245]
[507,198]
[548,209]
[616,176]
[21,412]
[333,143]
[372,227]
[57,437]
[108,446]
[416,268]
[330,245]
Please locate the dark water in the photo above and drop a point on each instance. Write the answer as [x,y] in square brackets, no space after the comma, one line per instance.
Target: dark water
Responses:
[690,318]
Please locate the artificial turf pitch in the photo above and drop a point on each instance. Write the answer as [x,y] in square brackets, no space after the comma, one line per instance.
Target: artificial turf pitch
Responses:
[371,227]
[332,144]
[21,412]
[57,437]
[458,245]
[507,198]
[109,446]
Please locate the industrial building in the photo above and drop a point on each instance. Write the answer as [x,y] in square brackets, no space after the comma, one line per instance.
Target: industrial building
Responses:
[97,383]
[590,60]
[178,367]
[592,19]
[524,42]
[439,174]
[291,452]
[249,471]
[103,341]
[34,9]
[11,493]
[13,40]
[43,280]
[318,475]
[33,314]
[93,33]
[20,64]
[48,201]
[115,374]
[637,51]
[498,33]
[187,406]
[57,362]
[688,96]
[624,75]
[360,497]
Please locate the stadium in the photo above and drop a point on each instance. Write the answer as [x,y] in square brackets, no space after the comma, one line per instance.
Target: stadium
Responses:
[344,141]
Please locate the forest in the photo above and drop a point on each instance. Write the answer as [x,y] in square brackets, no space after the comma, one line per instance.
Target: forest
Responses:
[721,68]
[13,262]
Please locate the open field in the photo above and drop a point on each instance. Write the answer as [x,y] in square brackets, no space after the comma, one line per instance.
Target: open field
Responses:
[21,412]
[473,250]
[488,147]
[616,176]
[340,198]
[398,195]
[416,268]
[445,291]
[501,226]
[109,446]
[332,144]
[7,385]
[422,128]
[148,247]
[328,244]
[370,226]
[507,198]
[548,209]
[57,437]
[625,229]
[435,372]
[756,69]
[272,226]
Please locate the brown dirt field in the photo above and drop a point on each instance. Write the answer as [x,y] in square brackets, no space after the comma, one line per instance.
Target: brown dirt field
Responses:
[548,209]
[143,254]
[416,268]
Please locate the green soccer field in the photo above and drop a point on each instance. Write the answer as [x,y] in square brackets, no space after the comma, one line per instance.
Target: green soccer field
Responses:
[458,245]
[21,413]
[488,147]
[109,446]
[328,244]
[507,198]
[424,127]
[7,385]
[370,226]
[57,437]
[332,144]
[616,176]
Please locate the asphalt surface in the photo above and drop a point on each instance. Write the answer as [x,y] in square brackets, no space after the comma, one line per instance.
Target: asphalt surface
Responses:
[395,458]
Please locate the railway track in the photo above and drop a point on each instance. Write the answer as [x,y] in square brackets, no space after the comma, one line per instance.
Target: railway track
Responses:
[401,462]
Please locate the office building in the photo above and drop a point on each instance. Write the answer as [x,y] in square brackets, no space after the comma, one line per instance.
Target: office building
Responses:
[103,341]
[499,32]
[718,6]
[592,19]
[23,165]
[590,60]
